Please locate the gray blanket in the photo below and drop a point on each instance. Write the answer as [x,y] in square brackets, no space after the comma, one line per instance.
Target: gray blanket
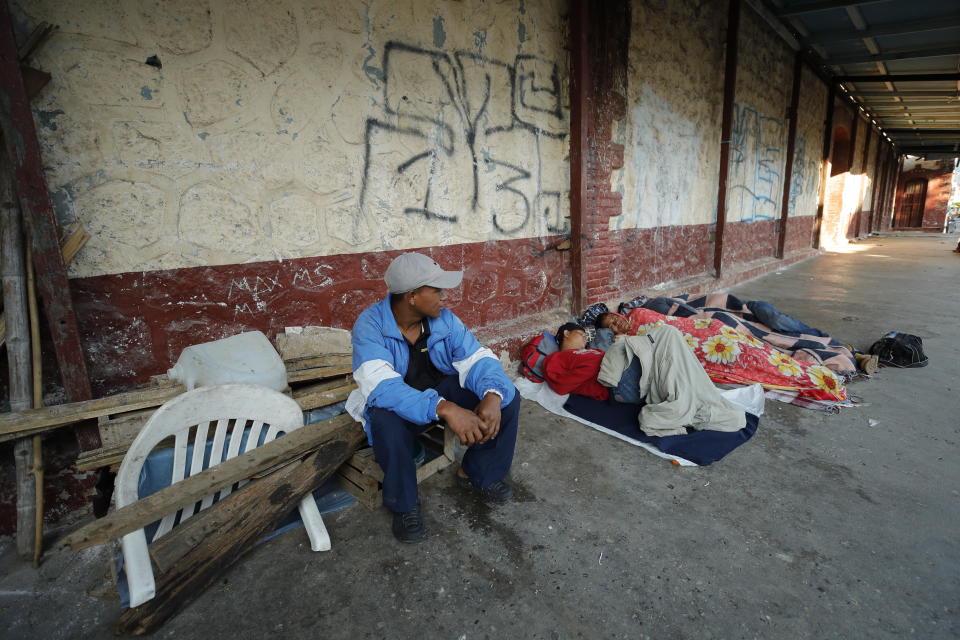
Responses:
[677,389]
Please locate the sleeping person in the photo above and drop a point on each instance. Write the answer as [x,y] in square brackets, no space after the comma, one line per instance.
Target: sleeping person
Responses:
[733,357]
[574,368]
[657,369]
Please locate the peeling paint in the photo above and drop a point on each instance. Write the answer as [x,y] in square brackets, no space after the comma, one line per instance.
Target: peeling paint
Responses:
[480,40]
[48,118]
[439,35]
[373,73]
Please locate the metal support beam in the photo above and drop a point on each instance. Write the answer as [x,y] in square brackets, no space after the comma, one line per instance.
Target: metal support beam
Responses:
[942,148]
[918,124]
[765,10]
[892,28]
[791,146]
[926,132]
[902,109]
[579,145]
[23,149]
[726,128]
[895,54]
[820,5]
[901,77]
[909,95]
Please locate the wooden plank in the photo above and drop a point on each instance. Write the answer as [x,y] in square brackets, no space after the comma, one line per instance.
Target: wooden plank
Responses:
[77,237]
[323,360]
[370,499]
[317,373]
[21,423]
[37,387]
[23,149]
[354,475]
[449,443]
[104,457]
[426,470]
[190,490]
[120,429]
[32,422]
[319,386]
[226,531]
[40,33]
[168,550]
[116,433]
[14,274]
[310,398]
[368,465]
[34,80]
[29,422]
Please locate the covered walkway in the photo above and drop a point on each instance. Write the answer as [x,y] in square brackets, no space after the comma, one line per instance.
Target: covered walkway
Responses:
[822,526]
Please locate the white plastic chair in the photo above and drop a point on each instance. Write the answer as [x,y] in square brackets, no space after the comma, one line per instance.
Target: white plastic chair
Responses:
[233,408]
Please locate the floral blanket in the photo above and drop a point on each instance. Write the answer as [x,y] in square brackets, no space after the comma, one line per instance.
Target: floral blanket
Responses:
[731,356]
[731,311]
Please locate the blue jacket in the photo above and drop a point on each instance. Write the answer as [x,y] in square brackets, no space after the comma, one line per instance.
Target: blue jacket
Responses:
[381,357]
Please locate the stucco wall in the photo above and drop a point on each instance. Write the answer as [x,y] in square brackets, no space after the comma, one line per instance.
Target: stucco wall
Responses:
[758,140]
[811,111]
[300,128]
[671,130]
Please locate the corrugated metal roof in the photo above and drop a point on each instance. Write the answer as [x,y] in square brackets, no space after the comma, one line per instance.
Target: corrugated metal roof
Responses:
[879,51]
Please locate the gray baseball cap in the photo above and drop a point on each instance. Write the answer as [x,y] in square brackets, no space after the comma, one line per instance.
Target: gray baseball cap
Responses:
[411,271]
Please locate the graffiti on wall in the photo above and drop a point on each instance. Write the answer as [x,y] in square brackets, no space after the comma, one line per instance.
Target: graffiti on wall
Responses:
[756,165]
[466,140]
[805,181]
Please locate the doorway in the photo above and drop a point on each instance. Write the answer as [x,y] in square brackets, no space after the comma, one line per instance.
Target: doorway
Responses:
[910,212]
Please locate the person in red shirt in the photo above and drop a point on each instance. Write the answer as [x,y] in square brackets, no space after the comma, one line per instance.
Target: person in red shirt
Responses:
[574,368]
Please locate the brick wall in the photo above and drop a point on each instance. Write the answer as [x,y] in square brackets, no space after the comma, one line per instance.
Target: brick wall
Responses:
[937,198]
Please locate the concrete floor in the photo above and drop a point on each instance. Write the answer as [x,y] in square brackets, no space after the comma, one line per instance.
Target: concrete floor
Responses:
[822,526]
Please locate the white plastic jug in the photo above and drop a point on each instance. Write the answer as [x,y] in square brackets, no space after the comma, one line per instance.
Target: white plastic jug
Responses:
[245,357]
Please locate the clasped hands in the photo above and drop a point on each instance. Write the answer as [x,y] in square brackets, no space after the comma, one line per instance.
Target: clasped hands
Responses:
[472,427]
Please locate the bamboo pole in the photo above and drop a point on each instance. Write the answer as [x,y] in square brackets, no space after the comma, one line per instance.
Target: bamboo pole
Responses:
[37,368]
[77,236]
[18,352]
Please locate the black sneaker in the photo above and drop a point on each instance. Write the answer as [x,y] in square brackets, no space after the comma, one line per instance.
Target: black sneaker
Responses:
[408,526]
[498,492]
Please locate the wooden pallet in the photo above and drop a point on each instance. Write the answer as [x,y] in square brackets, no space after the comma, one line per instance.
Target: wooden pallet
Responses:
[117,430]
[361,476]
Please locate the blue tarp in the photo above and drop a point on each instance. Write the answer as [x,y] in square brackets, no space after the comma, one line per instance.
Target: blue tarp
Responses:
[701,447]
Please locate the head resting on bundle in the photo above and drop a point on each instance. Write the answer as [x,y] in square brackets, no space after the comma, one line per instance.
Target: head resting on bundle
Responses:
[614,321]
[571,336]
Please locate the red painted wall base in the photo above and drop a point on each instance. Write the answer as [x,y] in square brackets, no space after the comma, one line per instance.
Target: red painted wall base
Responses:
[135,325]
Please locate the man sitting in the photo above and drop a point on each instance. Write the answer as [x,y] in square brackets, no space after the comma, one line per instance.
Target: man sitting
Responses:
[416,363]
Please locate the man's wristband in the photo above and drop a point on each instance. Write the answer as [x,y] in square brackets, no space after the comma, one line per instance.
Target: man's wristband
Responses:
[493,391]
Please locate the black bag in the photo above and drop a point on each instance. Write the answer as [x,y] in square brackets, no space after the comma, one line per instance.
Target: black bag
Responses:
[898,349]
